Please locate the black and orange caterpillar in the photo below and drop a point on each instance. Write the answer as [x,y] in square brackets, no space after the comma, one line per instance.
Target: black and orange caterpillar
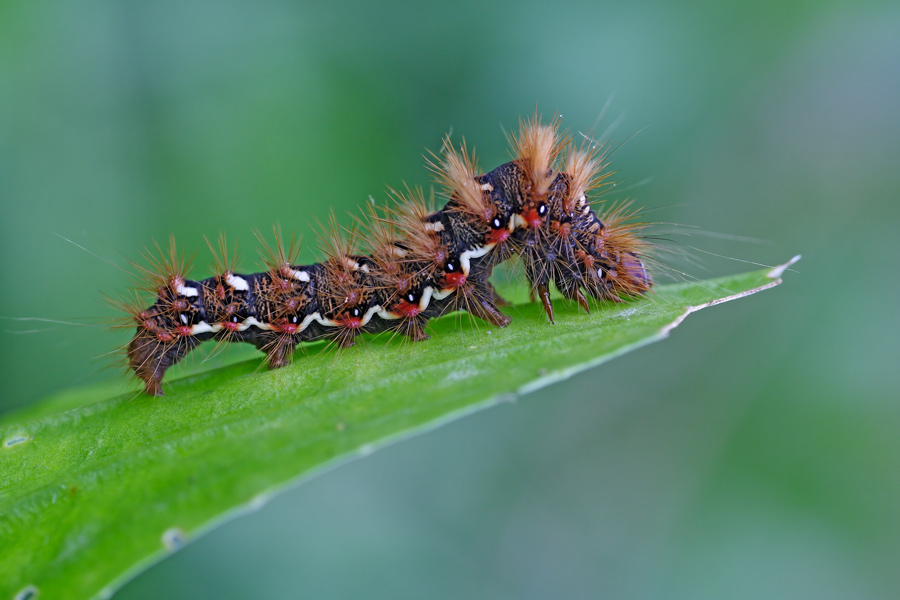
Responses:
[408,264]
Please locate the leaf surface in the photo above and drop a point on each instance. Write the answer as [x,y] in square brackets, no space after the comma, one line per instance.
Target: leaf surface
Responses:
[94,488]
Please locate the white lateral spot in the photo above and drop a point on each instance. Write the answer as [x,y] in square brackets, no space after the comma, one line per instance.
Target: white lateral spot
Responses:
[186,291]
[183,318]
[238,283]
[29,592]
[15,439]
[398,252]
[300,276]
[436,227]
[174,539]
[351,264]
[486,187]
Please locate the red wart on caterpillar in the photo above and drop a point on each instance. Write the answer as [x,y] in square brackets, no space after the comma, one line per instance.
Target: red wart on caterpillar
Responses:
[406,264]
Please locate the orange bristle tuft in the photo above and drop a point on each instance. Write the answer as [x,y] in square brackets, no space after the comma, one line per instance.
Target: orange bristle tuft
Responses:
[585,168]
[422,243]
[277,258]
[224,261]
[167,268]
[456,173]
[536,149]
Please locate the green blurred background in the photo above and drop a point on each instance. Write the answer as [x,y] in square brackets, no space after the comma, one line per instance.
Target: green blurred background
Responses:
[755,454]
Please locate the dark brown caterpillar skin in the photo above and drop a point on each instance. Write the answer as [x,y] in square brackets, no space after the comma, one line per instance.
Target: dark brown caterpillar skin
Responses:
[420,265]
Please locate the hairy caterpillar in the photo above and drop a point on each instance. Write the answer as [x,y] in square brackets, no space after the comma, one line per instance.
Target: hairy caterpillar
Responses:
[408,264]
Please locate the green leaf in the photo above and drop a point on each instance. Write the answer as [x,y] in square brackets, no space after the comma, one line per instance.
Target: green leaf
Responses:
[94,489]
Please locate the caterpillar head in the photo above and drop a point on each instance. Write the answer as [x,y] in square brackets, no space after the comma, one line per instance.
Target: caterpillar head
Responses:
[614,264]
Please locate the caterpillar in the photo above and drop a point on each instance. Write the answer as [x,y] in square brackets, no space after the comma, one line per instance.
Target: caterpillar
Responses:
[407,264]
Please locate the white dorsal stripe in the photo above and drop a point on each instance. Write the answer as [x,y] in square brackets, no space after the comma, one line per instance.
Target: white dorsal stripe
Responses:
[183,290]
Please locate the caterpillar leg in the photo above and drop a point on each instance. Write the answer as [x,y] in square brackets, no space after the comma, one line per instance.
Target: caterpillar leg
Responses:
[413,329]
[484,309]
[538,273]
[346,341]
[279,348]
[582,301]
[149,357]
[569,282]
[279,357]
[543,293]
